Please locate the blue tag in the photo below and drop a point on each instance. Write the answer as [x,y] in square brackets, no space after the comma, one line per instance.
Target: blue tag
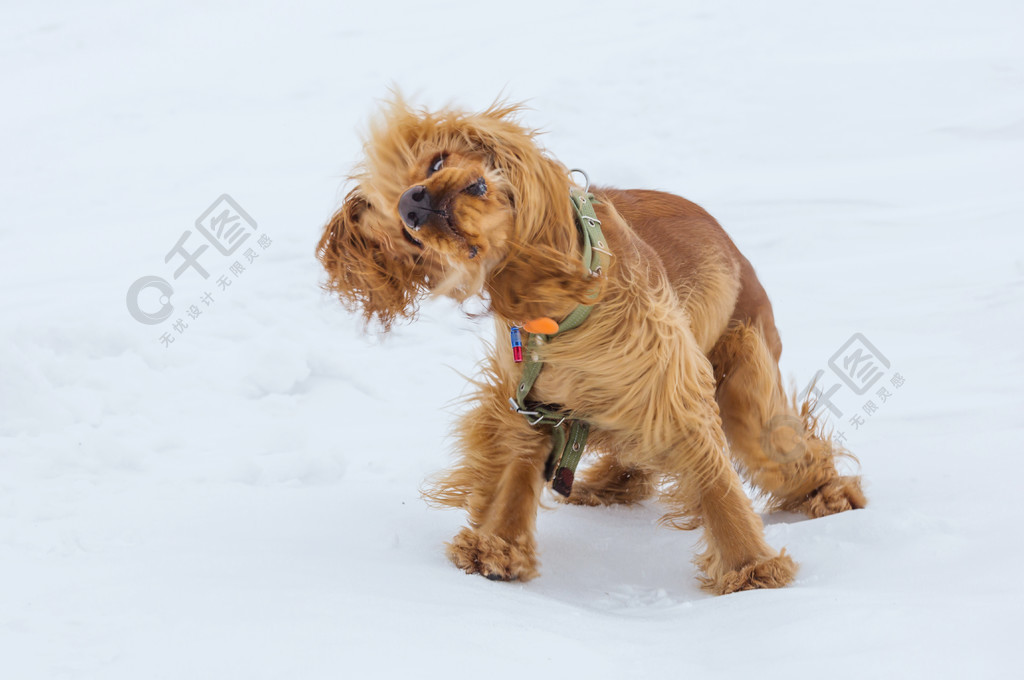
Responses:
[517,345]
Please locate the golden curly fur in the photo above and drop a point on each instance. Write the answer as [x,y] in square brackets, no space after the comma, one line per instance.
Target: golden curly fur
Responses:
[676,369]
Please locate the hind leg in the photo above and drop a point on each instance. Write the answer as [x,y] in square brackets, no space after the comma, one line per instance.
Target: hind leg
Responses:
[779,446]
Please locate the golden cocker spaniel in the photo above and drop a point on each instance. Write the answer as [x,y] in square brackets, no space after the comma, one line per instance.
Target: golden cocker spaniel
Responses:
[674,371]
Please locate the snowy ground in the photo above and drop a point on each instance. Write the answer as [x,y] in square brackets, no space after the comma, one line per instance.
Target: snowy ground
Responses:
[243,503]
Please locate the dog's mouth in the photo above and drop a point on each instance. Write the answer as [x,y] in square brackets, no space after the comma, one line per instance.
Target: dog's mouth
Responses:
[440,226]
[410,238]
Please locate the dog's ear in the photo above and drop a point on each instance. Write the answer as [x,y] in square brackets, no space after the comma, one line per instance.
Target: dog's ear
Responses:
[543,275]
[364,271]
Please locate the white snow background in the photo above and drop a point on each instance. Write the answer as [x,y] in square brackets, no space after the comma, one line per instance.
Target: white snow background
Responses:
[244,503]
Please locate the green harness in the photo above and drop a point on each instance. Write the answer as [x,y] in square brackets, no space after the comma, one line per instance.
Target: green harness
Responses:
[569,435]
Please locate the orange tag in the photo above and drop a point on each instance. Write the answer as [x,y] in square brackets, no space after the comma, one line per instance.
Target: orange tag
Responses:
[541,326]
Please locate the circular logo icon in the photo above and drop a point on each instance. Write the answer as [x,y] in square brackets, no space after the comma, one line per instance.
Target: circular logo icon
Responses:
[150,318]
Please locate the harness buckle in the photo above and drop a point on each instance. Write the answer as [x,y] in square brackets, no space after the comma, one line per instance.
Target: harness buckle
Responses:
[525,413]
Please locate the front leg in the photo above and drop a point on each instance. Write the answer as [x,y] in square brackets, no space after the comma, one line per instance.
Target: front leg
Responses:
[669,424]
[498,482]
[500,543]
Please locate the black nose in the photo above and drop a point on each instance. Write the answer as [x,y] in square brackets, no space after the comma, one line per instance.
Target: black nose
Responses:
[414,207]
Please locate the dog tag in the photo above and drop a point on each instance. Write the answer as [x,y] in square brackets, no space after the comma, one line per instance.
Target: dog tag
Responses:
[541,326]
[517,345]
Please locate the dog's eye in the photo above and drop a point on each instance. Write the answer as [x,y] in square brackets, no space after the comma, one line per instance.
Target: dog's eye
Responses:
[477,188]
[435,165]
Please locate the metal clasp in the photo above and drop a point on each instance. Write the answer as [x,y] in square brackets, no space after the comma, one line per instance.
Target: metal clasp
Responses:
[529,414]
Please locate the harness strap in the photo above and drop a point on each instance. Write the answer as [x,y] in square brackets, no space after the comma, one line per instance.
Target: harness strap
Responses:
[569,435]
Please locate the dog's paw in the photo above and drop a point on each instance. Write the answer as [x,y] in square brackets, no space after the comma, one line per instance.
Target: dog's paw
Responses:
[774,572]
[578,497]
[623,489]
[492,557]
[584,494]
[839,494]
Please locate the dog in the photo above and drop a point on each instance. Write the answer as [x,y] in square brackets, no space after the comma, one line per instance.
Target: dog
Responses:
[672,377]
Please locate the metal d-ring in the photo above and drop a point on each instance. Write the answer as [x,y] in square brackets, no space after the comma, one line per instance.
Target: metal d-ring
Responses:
[585,177]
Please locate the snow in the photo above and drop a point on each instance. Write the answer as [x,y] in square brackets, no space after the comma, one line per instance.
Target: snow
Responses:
[244,502]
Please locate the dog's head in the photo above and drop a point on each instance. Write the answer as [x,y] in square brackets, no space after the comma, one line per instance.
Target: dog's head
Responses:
[454,204]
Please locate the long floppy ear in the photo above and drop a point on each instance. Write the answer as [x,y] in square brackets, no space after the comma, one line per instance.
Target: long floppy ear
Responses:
[543,274]
[365,273]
